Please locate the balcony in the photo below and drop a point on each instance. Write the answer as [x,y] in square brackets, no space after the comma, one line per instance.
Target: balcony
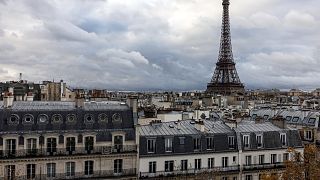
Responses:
[42,152]
[263,166]
[189,172]
[81,175]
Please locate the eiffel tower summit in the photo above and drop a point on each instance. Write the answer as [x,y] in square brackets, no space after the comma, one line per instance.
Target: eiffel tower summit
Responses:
[225,80]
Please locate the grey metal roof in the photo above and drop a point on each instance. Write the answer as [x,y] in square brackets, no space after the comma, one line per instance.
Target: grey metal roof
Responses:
[183,128]
[251,126]
[308,118]
[59,105]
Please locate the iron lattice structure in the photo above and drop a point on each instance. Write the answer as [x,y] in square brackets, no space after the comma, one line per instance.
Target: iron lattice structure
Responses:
[225,79]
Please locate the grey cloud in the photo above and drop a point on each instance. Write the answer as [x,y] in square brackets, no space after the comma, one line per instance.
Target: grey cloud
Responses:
[158,44]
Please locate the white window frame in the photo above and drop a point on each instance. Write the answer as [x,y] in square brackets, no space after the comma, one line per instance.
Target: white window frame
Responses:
[210,163]
[248,160]
[308,135]
[197,164]
[246,138]
[231,141]
[168,144]
[259,138]
[153,148]
[283,139]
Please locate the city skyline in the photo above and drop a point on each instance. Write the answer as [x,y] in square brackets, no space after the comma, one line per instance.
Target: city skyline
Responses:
[158,44]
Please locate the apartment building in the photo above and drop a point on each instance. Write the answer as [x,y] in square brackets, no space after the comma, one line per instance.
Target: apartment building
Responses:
[207,146]
[66,140]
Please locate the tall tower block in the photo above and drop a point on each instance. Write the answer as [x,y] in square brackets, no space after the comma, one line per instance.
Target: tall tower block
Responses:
[225,79]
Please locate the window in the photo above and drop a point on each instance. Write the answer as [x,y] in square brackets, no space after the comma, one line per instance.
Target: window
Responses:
[273,158]
[248,177]
[224,161]
[168,144]
[11,147]
[288,118]
[210,163]
[116,118]
[246,141]
[196,143]
[70,144]
[31,171]
[312,120]
[152,167]
[103,117]
[117,166]
[56,118]
[70,168]
[10,172]
[51,170]
[88,168]
[231,141]
[234,178]
[295,119]
[31,146]
[168,166]
[224,178]
[184,165]
[261,159]
[28,118]
[89,141]
[210,143]
[71,118]
[151,144]
[197,164]
[266,117]
[254,116]
[88,118]
[14,119]
[308,135]
[259,141]
[43,118]
[285,157]
[283,139]
[51,145]
[181,140]
[248,160]
[234,158]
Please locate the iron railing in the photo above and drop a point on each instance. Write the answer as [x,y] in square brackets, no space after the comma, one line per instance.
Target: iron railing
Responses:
[263,166]
[77,175]
[189,171]
[7,154]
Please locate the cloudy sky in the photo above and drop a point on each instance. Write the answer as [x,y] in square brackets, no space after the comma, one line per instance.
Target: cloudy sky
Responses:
[159,44]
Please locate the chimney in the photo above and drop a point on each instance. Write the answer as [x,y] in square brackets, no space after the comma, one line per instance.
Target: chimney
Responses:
[79,101]
[279,121]
[132,102]
[29,96]
[7,100]
[200,125]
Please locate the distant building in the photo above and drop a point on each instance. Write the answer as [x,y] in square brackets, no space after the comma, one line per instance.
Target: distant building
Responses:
[56,91]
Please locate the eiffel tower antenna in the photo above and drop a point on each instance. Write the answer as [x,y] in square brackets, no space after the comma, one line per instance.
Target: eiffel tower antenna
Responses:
[225,80]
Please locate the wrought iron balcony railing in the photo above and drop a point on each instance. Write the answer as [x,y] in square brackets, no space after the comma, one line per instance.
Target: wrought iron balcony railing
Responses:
[189,171]
[263,166]
[76,175]
[7,154]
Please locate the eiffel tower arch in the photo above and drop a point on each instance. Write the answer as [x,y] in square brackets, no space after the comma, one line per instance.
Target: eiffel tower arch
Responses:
[225,80]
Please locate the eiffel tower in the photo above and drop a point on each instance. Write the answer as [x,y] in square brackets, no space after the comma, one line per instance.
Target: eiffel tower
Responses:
[225,80]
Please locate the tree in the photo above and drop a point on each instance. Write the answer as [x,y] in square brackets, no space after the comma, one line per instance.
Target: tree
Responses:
[303,167]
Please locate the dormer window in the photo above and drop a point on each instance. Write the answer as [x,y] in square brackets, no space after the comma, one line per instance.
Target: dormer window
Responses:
[151,145]
[288,118]
[28,118]
[231,141]
[259,141]
[283,139]
[266,117]
[210,143]
[295,119]
[308,135]
[246,141]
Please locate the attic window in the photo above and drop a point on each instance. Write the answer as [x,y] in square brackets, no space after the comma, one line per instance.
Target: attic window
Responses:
[254,116]
[288,118]
[295,119]
[312,120]
[265,117]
